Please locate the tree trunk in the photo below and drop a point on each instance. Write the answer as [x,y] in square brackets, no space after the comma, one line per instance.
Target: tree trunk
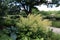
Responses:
[29,11]
[27,8]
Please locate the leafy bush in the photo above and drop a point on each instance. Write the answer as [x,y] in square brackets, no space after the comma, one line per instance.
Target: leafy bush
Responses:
[3,36]
[5,21]
[10,20]
[33,27]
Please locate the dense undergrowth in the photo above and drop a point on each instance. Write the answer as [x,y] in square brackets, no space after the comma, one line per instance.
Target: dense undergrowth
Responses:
[32,27]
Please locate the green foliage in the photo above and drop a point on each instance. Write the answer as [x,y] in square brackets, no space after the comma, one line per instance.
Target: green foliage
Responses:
[35,11]
[5,21]
[4,36]
[52,15]
[56,24]
[46,13]
[23,14]
[34,21]
[57,15]
[49,13]
[8,20]
[34,27]
[55,36]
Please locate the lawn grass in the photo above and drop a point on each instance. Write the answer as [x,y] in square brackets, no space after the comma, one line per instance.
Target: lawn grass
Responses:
[56,24]
[55,36]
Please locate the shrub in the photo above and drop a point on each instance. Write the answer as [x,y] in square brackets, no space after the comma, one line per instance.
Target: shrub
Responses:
[5,21]
[3,36]
[33,27]
[10,20]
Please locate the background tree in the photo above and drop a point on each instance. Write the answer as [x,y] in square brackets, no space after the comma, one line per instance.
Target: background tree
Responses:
[56,2]
[29,4]
[2,8]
